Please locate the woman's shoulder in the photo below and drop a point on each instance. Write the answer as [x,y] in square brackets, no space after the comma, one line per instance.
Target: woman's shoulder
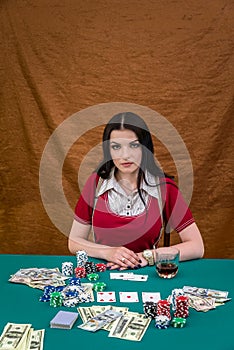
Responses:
[92,178]
[167,180]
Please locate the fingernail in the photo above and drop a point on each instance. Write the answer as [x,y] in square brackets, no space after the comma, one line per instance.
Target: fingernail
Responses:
[139,265]
[140,261]
[136,267]
[129,267]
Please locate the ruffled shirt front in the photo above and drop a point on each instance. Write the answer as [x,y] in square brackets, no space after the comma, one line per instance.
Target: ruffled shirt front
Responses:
[125,204]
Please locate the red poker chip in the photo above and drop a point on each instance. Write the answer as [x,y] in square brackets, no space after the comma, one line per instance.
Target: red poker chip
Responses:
[100,267]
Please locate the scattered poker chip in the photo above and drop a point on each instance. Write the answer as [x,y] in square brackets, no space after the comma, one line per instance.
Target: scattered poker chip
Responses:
[178,322]
[99,286]
[67,268]
[93,276]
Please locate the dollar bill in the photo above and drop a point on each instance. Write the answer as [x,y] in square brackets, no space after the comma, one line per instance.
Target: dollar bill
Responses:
[205,292]
[201,304]
[35,339]
[14,336]
[88,289]
[121,309]
[131,326]
[39,277]
[86,313]
[100,320]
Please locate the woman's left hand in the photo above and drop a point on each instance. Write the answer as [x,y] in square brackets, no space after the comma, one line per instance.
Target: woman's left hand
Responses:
[112,266]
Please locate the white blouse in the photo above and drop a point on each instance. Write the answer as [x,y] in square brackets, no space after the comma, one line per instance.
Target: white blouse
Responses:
[125,204]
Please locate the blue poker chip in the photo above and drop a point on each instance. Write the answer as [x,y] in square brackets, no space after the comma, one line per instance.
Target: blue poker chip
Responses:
[44,298]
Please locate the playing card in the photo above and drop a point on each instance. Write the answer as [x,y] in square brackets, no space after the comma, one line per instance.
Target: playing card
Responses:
[136,278]
[120,275]
[106,297]
[128,297]
[149,296]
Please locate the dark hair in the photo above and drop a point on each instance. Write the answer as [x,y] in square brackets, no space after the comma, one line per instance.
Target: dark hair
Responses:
[131,121]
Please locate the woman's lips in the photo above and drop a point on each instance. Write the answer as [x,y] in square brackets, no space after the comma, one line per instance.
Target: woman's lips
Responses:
[126,164]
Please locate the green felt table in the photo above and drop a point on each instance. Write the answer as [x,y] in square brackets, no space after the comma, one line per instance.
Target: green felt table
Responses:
[211,330]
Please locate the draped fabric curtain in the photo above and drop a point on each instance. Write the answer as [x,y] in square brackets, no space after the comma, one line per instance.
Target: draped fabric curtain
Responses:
[64,58]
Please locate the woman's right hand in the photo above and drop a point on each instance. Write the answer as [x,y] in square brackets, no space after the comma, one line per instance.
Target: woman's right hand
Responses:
[121,257]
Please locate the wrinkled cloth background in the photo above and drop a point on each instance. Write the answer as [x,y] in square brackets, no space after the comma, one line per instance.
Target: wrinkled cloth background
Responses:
[58,58]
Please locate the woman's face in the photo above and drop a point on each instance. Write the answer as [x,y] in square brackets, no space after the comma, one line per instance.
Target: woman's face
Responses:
[125,150]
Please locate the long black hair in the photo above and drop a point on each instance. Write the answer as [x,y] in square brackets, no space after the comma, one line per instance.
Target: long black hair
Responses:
[131,121]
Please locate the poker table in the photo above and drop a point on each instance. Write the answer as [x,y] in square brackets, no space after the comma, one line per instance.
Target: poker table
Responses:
[204,330]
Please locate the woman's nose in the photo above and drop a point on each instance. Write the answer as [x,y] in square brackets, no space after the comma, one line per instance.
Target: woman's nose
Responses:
[125,153]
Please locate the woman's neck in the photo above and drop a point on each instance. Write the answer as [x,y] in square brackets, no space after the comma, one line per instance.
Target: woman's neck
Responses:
[127,181]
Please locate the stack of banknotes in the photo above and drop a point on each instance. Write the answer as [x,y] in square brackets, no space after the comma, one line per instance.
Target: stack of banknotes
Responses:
[21,337]
[204,299]
[118,321]
[39,277]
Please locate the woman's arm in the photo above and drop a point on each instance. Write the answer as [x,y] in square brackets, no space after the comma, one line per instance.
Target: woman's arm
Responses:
[192,246]
[78,240]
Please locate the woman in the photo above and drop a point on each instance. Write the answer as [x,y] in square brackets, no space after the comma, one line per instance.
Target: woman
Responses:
[133,200]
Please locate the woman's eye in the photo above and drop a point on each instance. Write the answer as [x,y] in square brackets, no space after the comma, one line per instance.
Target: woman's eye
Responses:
[135,145]
[115,147]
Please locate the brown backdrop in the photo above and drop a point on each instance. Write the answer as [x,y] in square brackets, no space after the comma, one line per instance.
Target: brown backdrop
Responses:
[60,57]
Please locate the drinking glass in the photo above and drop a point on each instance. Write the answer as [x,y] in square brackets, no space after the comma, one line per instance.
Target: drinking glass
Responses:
[167,262]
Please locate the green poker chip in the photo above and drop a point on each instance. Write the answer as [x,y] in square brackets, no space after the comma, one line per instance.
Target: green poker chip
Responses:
[99,286]
[93,276]
[178,322]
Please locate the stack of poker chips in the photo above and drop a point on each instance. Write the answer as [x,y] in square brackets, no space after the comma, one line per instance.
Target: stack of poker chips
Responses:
[163,308]
[80,272]
[178,322]
[100,267]
[75,281]
[56,299]
[67,268]
[99,286]
[81,258]
[93,277]
[71,296]
[150,309]
[162,322]
[182,307]
[47,292]
[74,294]
[174,294]
[90,267]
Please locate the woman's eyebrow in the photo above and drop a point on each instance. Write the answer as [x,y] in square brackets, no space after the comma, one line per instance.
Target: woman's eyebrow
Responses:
[114,142]
[134,141]
[129,142]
